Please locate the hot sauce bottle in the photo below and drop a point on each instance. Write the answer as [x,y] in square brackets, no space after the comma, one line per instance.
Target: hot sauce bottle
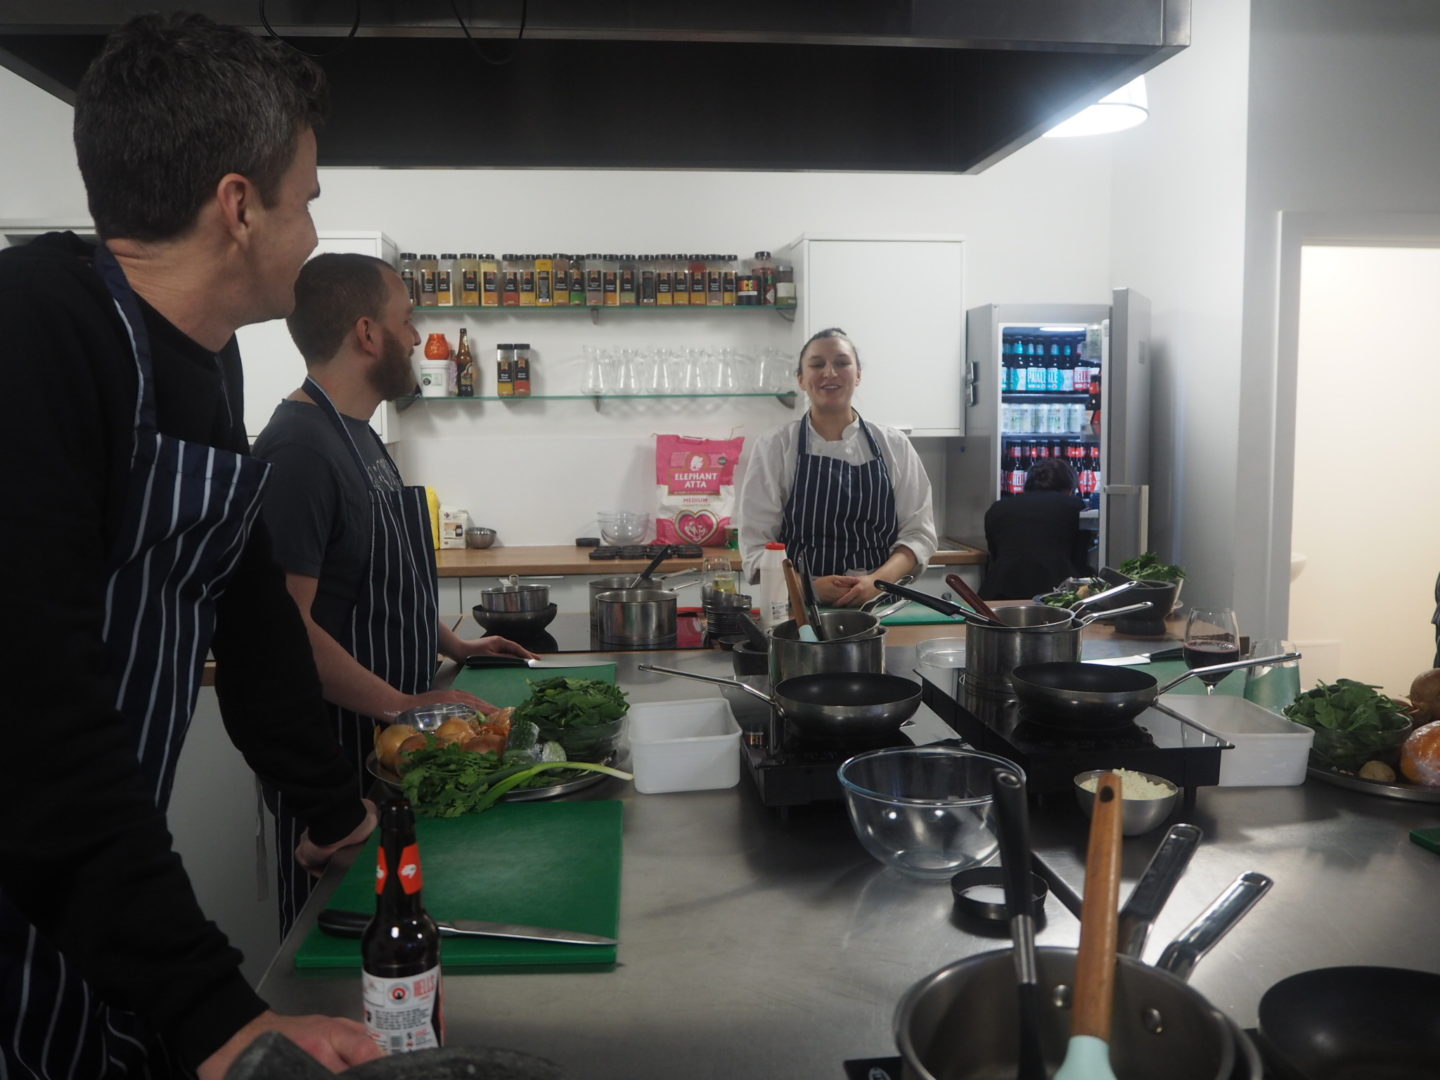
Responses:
[400,948]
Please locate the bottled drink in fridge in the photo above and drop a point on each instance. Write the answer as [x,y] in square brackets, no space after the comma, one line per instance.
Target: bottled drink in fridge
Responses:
[400,949]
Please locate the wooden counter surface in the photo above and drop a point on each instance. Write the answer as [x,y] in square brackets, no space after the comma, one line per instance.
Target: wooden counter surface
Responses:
[569,559]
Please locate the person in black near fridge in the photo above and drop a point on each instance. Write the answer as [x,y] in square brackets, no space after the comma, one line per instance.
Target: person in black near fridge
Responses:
[1034,539]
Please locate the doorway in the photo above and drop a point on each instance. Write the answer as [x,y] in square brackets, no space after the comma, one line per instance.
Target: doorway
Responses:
[1364,514]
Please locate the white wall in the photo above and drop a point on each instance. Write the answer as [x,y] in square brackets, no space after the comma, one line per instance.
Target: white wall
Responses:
[1371,587]
[1178,228]
[1342,120]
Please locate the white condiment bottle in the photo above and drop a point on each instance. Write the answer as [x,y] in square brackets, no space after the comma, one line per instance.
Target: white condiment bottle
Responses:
[774,600]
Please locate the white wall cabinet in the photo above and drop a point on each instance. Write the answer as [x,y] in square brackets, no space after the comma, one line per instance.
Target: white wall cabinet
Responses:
[901,302]
[273,366]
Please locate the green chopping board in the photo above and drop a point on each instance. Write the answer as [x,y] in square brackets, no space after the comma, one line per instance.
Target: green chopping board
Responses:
[913,614]
[511,685]
[554,864]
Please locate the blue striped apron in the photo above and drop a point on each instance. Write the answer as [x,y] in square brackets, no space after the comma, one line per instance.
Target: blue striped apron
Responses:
[188,511]
[393,633]
[839,516]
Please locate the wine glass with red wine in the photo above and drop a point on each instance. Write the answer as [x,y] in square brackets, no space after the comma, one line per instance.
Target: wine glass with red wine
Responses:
[1211,637]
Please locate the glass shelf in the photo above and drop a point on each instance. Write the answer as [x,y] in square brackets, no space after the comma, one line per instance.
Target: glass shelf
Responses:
[530,308]
[786,398]
[1043,396]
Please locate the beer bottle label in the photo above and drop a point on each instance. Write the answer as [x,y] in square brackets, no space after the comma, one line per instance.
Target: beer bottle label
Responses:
[406,1013]
[411,880]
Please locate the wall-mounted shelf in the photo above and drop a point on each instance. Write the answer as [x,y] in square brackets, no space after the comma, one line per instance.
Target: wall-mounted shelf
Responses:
[786,313]
[786,398]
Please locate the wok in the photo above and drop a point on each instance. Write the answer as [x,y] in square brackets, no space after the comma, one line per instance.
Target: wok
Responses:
[1096,696]
[830,706]
[1353,1023]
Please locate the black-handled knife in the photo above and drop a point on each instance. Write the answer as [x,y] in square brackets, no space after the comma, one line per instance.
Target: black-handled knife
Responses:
[352,924]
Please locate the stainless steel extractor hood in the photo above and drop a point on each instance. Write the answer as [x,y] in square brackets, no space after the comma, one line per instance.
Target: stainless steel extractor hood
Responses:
[921,86]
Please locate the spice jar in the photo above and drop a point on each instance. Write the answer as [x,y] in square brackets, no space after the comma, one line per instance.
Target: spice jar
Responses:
[510,280]
[522,369]
[425,272]
[445,280]
[664,276]
[527,280]
[468,268]
[490,284]
[544,281]
[714,281]
[562,280]
[611,276]
[727,280]
[647,280]
[594,280]
[409,267]
[505,370]
[764,271]
[577,282]
[784,285]
[697,280]
[679,281]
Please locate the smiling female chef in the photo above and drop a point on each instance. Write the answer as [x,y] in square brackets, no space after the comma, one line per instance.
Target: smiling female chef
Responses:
[851,498]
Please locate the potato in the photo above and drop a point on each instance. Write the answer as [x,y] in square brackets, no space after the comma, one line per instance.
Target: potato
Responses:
[1377,770]
[388,740]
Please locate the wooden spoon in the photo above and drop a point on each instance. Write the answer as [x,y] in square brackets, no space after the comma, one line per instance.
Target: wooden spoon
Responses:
[1087,1057]
[797,603]
[960,585]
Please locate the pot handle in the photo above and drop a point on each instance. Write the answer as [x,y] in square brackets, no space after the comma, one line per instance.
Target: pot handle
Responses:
[1156,884]
[1237,665]
[1106,595]
[945,607]
[736,683]
[1212,924]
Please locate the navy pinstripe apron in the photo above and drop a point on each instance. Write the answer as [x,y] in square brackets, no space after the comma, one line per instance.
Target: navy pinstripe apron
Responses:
[188,511]
[839,516]
[393,633]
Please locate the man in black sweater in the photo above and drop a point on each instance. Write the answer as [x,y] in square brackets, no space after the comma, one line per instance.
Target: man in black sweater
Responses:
[132,549]
[1035,540]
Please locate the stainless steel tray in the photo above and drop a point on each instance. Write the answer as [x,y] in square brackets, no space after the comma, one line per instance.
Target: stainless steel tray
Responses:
[1412,792]
[549,791]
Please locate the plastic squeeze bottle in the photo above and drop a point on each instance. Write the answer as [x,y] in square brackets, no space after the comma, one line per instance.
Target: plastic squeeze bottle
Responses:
[774,596]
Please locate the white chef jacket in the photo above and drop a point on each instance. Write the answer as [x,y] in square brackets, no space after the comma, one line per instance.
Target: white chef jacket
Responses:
[768,471]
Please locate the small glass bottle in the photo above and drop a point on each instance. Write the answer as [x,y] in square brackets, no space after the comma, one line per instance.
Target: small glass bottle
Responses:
[562,280]
[469,270]
[577,282]
[594,280]
[522,369]
[510,268]
[784,285]
[409,274]
[490,283]
[697,281]
[627,285]
[612,280]
[425,272]
[764,270]
[505,370]
[464,367]
[714,280]
[527,280]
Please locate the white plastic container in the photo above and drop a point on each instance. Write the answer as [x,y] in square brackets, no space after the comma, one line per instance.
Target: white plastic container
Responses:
[435,378]
[1270,751]
[690,745]
[772,596]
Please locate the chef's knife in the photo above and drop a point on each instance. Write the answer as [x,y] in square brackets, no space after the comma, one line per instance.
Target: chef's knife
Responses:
[487,660]
[352,924]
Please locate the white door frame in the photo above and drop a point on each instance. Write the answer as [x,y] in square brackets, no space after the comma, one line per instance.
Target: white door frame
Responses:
[1299,230]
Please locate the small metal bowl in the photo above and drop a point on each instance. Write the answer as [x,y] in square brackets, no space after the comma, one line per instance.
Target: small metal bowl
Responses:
[1136,815]
[478,537]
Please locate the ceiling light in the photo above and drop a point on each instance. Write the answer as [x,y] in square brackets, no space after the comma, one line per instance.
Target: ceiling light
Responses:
[1125,108]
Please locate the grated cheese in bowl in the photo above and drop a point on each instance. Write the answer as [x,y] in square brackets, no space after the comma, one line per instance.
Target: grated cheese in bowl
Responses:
[1133,785]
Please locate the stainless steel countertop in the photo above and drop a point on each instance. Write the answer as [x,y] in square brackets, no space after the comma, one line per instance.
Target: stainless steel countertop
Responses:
[756,946]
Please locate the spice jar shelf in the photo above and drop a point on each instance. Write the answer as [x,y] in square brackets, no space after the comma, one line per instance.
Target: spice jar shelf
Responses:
[787,313]
[786,398]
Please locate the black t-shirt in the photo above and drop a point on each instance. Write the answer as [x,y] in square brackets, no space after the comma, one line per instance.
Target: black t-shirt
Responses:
[317,503]
[1035,543]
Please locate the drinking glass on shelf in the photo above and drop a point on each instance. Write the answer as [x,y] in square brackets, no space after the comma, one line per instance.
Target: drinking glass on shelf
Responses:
[599,371]
[717,574]
[680,372]
[626,377]
[1211,637]
[1272,685]
[707,366]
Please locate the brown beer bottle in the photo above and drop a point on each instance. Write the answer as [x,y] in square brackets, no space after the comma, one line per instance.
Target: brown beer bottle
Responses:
[400,949]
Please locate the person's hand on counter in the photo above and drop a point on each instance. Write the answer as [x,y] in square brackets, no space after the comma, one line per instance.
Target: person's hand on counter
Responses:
[335,1042]
[494,646]
[436,697]
[314,858]
[845,590]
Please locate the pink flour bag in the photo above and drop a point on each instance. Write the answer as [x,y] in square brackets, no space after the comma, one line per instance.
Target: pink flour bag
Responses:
[696,482]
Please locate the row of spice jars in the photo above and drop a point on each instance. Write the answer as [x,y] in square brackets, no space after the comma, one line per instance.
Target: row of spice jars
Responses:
[596,280]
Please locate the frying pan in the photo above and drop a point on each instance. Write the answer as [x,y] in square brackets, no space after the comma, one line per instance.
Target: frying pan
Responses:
[830,706]
[1096,697]
[1353,1023]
